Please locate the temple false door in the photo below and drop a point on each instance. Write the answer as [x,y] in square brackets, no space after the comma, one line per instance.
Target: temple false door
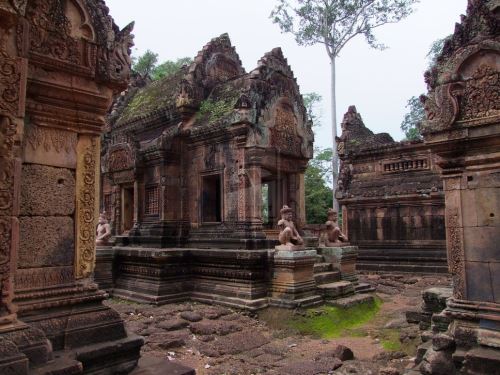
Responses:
[128,208]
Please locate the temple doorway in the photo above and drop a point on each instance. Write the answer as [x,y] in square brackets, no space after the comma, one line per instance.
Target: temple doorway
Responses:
[274,196]
[128,209]
[211,202]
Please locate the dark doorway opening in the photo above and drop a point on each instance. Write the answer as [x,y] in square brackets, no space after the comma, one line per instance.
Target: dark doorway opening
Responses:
[128,209]
[211,206]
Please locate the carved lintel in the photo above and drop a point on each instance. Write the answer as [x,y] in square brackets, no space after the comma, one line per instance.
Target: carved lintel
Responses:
[87,190]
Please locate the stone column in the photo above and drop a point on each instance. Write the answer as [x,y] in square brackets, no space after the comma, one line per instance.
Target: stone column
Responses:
[300,200]
[254,194]
[463,130]
[12,87]
[87,204]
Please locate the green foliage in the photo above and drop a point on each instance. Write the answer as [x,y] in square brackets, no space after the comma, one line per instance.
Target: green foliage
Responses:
[318,191]
[311,101]
[411,122]
[145,64]
[214,110]
[335,22]
[169,67]
[435,50]
[331,322]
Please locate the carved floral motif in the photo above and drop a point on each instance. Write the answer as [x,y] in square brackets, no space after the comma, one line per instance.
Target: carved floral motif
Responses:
[455,253]
[86,210]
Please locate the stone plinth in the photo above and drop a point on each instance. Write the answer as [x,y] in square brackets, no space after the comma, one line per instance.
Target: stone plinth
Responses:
[293,282]
[103,272]
[342,257]
[155,276]
[236,278]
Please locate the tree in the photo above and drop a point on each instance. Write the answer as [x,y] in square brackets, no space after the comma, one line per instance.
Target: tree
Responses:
[169,67]
[411,122]
[318,191]
[334,23]
[146,63]
[311,100]
[435,50]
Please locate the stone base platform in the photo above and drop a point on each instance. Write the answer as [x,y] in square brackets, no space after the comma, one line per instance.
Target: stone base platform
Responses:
[235,278]
[347,302]
[343,258]
[103,272]
[336,290]
[293,283]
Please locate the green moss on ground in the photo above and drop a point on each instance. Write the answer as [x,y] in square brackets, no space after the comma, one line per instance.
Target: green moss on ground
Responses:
[330,322]
[390,340]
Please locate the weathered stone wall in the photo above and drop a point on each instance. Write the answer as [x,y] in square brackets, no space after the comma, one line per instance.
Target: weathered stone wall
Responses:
[392,198]
[462,129]
[61,63]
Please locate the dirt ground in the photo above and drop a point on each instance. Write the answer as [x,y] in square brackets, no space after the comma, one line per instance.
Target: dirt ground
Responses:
[217,340]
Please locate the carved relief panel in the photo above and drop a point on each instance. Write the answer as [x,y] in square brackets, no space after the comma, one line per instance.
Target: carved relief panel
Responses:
[284,132]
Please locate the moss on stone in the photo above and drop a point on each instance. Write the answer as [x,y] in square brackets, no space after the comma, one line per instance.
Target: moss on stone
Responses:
[214,110]
[156,95]
[330,322]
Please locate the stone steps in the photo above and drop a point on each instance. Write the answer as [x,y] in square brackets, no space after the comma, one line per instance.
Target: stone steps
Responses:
[419,260]
[364,288]
[401,267]
[322,267]
[336,290]
[326,277]
[60,366]
[347,302]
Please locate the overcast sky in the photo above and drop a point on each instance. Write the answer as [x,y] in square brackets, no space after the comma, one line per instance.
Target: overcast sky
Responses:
[379,83]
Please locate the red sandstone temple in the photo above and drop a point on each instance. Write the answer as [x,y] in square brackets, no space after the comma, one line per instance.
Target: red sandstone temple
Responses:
[186,157]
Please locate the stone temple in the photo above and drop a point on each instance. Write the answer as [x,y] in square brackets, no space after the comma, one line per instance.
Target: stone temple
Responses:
[185,162]
[199,179]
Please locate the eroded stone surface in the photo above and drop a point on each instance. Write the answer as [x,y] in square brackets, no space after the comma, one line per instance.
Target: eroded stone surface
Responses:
[47,191]
[46,241]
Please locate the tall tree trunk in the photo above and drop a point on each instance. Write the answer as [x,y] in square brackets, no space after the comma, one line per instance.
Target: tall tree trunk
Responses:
[335,156]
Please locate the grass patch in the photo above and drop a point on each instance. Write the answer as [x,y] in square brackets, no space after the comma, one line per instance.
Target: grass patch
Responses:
[390,340]
[123,301]
[330,322]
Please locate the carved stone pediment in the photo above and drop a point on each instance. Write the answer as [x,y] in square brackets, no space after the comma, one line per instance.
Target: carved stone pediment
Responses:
[464,84]
[120,158]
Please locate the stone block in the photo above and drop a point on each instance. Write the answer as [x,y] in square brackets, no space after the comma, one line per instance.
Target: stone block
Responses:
[435,299]
[495,280]
[481,243]
[46,241]
[47,191]
[479,287]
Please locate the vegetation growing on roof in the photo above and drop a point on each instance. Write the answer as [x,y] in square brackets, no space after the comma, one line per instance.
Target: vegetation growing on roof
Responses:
[156,95]
[214,110]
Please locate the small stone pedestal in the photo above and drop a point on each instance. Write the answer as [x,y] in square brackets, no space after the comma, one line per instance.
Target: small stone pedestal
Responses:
[103,272]
[293,282]
[342,257]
